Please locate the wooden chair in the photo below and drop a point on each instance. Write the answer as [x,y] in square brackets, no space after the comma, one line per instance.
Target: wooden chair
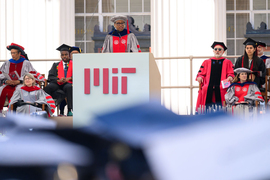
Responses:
[266,92]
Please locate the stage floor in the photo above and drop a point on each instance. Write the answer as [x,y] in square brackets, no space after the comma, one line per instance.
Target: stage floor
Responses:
[63,122]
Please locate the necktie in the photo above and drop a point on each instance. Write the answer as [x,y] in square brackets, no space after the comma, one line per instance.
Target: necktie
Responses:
[65,70]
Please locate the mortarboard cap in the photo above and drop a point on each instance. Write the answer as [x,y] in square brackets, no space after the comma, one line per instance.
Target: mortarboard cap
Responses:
[260,43]
[63,47]
[239,70]
[250,41]
[16,46]
[75,48]
[119,17]
[219,43]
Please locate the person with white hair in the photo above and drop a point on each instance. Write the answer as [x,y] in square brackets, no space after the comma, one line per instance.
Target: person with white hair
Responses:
[243,90]
[120,40]
[29,98]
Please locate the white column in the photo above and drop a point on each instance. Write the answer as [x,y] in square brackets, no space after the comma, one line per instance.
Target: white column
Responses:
[67,22]
[220,21]
[181,28]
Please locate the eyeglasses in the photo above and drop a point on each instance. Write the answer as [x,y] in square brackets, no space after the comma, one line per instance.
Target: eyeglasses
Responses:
[120,23]
[220,49]
[27,79]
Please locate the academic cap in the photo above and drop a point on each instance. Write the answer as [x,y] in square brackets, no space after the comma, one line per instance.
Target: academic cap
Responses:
[63,47]
[73,48]
[219,43]
[119,17]
[250,41]
[260,43]
[16,46]
[239,70]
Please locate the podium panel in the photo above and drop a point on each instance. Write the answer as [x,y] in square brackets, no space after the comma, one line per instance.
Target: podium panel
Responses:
[104,82]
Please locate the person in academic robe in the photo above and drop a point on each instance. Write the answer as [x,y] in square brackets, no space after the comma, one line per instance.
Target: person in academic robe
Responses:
[13,71]
[243,90]
[60,77]
[260,52]
[210,75]
[120,39]
[29,98]
[73,50]
[251,61]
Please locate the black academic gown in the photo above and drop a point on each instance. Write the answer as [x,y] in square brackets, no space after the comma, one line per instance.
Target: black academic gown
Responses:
[57,91]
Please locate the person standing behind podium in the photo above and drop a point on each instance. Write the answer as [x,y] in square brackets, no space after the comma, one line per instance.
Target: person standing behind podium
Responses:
[251,61]
[120,40]
[60,76]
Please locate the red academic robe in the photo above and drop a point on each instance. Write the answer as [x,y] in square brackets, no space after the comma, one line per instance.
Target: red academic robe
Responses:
[205,74]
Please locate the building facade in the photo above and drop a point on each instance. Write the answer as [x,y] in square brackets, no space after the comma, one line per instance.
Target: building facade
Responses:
[179,28]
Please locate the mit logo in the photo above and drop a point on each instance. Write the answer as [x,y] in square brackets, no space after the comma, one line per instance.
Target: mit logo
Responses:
[106,80]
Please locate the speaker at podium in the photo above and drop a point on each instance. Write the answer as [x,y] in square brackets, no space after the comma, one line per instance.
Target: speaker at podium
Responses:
[105,82]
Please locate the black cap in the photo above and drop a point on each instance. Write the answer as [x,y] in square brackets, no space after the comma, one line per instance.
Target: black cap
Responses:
[63,47]
[75,48]
[219,43]
[250,41]
[260,43]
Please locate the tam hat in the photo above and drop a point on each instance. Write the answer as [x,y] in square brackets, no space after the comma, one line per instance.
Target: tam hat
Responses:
[239,70]
[75,48]
[16,46]
[260,43]
[250,41]
[63,47]
[219,43]
[119,17]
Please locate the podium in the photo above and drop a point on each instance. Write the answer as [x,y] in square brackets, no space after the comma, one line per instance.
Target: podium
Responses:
[105,82]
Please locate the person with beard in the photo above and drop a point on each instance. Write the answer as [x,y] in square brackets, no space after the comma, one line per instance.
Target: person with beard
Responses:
[260,52]
[120,40]
[210,75]
[60,77]
[251,61]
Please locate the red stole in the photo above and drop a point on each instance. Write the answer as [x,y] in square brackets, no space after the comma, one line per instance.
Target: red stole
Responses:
[30,89]
[61,73]
[119,44]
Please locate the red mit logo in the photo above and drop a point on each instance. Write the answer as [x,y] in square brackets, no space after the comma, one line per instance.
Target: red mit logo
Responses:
[106,80]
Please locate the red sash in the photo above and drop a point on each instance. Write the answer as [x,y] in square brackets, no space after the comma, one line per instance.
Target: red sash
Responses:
[119,44]
[61,73]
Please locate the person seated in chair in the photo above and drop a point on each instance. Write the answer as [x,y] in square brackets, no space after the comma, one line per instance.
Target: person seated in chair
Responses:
[13,71]
[243,90]
[60,77]
[73,50]
[29,98]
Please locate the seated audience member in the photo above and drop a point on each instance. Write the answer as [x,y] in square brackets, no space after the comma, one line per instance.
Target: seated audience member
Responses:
[13,71]
[73,50]
[120,40]
[251,61]
[242,90]
[210,75]
[29,98]
[60,77]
